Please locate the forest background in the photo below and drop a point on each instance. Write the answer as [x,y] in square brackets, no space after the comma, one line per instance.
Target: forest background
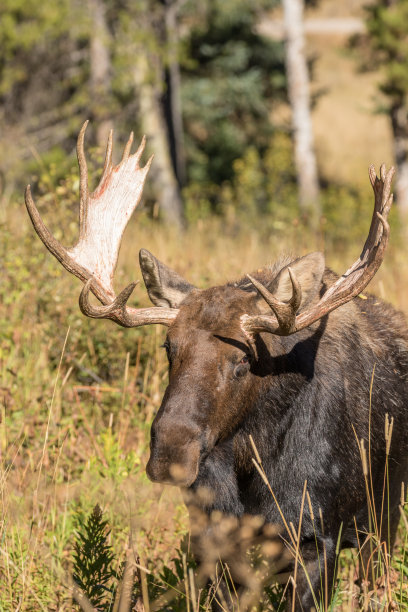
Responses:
[208,84]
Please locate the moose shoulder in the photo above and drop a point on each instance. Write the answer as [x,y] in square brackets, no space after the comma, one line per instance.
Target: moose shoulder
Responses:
[292,356]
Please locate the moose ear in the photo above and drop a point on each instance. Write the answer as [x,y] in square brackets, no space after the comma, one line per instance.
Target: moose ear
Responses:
[164,286]
[309,272]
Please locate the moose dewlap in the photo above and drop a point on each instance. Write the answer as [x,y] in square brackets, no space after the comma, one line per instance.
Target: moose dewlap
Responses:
[285,358]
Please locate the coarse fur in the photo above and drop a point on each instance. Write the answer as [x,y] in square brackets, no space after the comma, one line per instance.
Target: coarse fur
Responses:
[305,400]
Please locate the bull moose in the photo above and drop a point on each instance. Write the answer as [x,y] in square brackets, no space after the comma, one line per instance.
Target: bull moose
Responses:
[294,357]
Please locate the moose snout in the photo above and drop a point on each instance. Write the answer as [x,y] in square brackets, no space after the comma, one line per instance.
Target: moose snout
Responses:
[175,450]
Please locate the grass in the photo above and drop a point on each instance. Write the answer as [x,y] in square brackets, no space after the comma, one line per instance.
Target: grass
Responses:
[77,399]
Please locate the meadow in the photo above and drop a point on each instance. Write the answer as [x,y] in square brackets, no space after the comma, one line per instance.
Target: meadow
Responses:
[78,397]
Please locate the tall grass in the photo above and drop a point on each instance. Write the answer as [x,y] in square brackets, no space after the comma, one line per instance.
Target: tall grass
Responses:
[77,398]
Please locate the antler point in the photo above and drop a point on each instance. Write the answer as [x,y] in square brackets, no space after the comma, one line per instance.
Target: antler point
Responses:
[149,162]
[372,174]
[83,128]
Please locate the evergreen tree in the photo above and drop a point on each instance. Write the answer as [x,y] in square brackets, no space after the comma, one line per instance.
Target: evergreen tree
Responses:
[231,78]
[386,47]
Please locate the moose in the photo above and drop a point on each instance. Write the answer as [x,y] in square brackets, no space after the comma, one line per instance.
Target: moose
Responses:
[293,360]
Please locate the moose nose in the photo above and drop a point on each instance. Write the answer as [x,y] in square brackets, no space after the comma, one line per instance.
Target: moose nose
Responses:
[174,453]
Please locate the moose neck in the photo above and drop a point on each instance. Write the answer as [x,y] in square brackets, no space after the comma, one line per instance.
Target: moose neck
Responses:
[284,373]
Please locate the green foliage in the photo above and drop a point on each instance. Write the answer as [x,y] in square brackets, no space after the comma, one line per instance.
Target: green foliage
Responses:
[229,87]
[24,26]
[266,184]
[113,462]
[168,587]
[384,47]
[241,167]
[94,573]
[93,557]
[262,194]
[388,36]
[401,560]
[231,78]
[90,456]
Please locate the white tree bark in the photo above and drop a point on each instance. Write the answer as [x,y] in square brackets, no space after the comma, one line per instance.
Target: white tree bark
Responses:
[154,126]
[299,99]
[100,70]
[171,9]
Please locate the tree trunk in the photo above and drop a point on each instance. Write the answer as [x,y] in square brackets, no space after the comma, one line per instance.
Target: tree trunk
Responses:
[299,99]
[100,71]
[399,122]
[148,86]
[173,94]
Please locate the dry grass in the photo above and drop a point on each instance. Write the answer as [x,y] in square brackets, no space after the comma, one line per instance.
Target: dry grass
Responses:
[78,396]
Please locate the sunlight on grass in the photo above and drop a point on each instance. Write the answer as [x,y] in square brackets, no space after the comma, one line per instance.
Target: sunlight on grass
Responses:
[76,408]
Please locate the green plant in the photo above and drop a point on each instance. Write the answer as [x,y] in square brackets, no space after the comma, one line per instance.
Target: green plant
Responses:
[93,560]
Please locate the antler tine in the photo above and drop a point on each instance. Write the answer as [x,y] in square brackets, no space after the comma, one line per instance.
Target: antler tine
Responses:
[348,286]
[267,296]
[42,230]
[83,176]
[140,151]
[383,199]
[372,174]
[285,312]
[108,157]
[296,298]
[387,195]
[102,312]
[381,186]
[127,148]
[119,312]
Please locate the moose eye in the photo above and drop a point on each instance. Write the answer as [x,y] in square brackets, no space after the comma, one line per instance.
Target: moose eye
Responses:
[166,345]
[242,368]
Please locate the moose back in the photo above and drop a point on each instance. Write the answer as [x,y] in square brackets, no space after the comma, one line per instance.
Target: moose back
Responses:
[294,357]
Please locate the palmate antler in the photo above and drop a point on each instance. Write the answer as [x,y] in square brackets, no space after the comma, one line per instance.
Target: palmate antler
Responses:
[285,321]
[103,216]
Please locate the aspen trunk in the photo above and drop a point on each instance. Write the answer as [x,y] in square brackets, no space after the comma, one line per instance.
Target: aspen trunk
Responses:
[174,92]
[299,99]
[100,71]
[154,126]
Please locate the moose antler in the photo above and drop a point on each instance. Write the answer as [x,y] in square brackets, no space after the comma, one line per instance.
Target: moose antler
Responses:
[103,216]
[285,320]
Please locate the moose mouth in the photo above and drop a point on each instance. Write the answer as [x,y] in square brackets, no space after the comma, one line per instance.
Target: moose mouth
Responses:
[183,471]
[163,467]
[175,474]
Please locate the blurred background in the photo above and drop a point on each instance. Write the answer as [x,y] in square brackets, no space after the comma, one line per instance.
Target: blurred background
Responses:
[239,122]
[263,117]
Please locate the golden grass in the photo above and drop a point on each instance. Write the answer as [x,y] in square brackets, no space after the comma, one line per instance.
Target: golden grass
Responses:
[78,396]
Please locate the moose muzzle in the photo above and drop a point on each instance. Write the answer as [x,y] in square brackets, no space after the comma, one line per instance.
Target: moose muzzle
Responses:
[175,451]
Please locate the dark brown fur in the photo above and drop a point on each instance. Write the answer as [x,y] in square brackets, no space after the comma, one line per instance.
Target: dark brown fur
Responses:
[305,400]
